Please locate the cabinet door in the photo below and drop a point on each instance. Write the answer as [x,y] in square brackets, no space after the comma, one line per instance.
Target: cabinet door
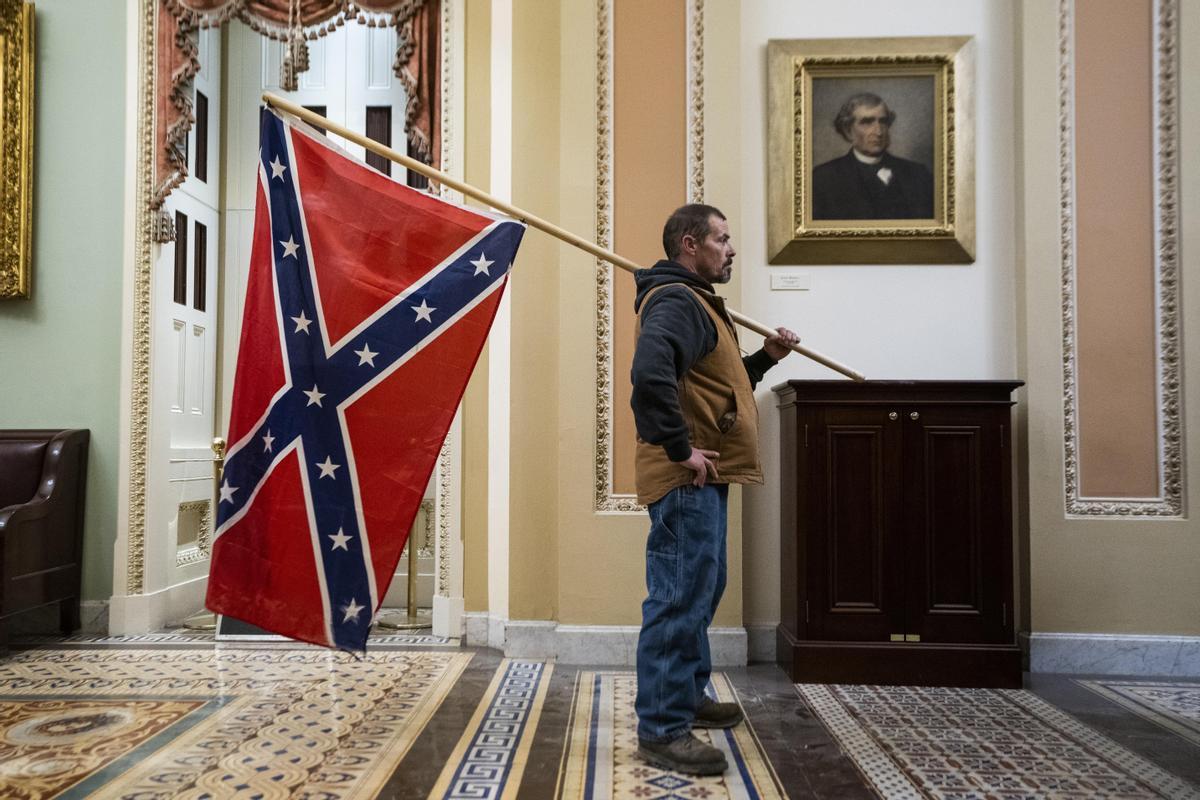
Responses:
[956,496]
[855,572]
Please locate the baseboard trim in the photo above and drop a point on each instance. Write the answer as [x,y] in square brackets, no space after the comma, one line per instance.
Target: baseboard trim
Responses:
[761,643]
[147,613]
[596,645]
[1114,654]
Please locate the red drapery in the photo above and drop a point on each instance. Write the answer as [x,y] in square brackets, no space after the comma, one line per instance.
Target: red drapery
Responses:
[418,65]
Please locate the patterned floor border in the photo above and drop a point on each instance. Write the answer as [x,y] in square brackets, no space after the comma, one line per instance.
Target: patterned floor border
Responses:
[600,760]
[191,724]
[900,770]
[1172,705]
[490,758]
[189,637]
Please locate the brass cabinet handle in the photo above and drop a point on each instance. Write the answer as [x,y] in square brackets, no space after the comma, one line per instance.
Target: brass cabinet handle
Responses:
[914,415]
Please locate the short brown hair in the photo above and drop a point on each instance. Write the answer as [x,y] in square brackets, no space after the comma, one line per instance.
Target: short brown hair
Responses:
[689,220]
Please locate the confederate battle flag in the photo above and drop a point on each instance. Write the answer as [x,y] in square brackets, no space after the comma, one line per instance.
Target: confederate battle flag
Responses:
[367,305]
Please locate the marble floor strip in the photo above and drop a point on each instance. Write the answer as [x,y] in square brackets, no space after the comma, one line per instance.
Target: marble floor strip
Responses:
[600,759]
[489,761]
[912,742]
[1174,705]
[184,636]
[174,723]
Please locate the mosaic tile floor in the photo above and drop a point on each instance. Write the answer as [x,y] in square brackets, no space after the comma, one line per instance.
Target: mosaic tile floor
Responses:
[957,743]
[176,715]
[1175,705]
[212,723]
[601,760]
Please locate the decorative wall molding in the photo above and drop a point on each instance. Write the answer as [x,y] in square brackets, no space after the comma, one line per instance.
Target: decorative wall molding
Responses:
[695,83]
[1169,503]
[199,551]
[606,499]
[139,339]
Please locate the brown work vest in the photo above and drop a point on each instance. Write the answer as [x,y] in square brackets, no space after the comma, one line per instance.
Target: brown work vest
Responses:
[717,402]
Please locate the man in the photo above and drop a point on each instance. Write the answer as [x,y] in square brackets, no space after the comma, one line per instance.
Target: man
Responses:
[869,182]
[697,423]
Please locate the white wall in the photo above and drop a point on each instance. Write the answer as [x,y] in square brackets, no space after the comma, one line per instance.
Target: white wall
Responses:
[889,322]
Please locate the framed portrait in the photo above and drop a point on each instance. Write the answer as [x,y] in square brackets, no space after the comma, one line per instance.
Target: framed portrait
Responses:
[16,148]
[870,155]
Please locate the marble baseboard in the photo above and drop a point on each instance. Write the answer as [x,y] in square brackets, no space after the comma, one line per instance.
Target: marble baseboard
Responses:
[593,645]
[1115,654]
[93,617]
[761,643]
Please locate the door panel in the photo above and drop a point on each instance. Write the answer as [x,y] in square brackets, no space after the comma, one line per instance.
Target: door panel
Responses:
[855,568]
[955,518]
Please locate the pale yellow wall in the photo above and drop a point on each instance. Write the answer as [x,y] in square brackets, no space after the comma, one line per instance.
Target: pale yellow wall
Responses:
[535,423]
[567,562]
[1107,576]
[476,170]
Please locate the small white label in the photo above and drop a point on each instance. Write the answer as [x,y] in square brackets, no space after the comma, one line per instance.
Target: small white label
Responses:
[790,281]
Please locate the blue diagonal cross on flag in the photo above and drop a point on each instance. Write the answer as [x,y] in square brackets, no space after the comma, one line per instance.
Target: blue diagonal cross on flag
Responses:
[367,305]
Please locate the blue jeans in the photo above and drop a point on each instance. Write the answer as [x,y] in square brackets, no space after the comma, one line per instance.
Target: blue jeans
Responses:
[685,577]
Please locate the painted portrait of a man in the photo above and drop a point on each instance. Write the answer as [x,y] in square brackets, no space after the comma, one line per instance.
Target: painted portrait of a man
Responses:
[868,181]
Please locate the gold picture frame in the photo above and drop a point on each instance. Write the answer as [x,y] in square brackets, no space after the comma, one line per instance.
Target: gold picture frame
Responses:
[16,148]
[914,203]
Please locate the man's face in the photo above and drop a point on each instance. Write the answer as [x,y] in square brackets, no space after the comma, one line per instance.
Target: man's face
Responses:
[714,255]
[869,131]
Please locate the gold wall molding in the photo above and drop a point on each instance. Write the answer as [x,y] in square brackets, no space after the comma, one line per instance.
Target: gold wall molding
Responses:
[606,499]
[16,150]
[199,551]
[695,72]
[139,390]
[1169,503]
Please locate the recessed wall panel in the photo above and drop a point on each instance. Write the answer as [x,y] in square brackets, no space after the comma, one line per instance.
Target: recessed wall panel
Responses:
[1114,124]
[649,174]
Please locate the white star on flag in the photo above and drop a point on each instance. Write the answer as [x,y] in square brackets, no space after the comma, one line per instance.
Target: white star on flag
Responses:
[327,467]
[302,323]
[365,356]
[268,440]
[227,492]
[314,397]
[352,611]
[339,540]
[481,266]
[290,247]
[423,312]
[277,169]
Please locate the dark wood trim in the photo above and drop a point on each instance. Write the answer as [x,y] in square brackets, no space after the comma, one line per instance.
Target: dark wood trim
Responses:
[896,664]
[200,168]
[200,268]
[379,129]
[181,258]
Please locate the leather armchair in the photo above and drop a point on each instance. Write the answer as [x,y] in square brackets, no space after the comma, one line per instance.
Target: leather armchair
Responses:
[43,476]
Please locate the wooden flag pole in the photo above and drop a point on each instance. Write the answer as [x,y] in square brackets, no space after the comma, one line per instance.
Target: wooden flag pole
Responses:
[530,219]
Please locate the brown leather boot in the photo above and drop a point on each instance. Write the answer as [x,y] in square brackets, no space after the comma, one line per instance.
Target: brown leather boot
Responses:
[712,714]
[687,754]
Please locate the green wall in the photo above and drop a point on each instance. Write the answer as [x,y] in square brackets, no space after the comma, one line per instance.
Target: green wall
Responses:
[60,361]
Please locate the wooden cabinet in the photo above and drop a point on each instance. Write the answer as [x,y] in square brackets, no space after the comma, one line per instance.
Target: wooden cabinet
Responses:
[896,533]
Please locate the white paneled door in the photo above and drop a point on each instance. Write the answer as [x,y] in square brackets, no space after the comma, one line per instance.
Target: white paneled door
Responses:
[350,81]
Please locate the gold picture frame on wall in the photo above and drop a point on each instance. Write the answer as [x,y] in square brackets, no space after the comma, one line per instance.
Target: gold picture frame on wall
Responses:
[16,148]
[870,151]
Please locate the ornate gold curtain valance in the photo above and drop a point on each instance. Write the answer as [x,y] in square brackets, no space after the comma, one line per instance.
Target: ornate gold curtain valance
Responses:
[295,23]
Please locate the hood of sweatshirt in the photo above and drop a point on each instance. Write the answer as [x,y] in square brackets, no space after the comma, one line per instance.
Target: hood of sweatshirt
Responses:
[662,273]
